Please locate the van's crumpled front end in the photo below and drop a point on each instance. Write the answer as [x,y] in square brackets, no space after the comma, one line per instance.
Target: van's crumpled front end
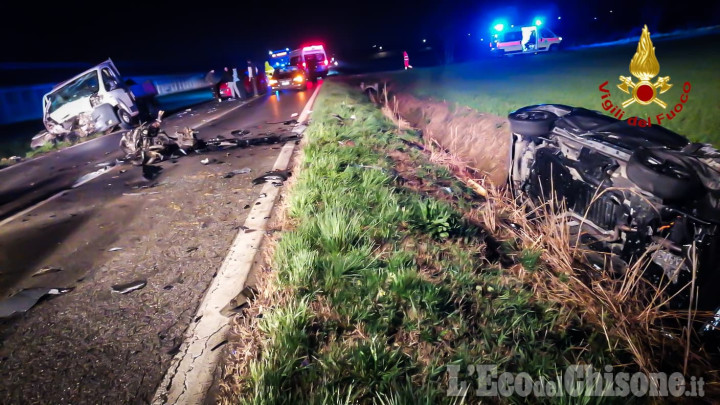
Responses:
[83,124]
[96,100]
[630,192]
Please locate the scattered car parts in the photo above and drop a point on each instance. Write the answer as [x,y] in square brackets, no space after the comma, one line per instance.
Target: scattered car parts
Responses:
[129,287]
[26,299]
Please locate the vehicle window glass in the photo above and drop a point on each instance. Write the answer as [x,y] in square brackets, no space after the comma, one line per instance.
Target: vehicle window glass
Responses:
[314,57]
[108,80]
[283,74]
[295,60]
[545,33]
[513,36]
[84,86]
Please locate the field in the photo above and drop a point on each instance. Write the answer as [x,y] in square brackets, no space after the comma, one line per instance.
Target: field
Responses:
[501,85]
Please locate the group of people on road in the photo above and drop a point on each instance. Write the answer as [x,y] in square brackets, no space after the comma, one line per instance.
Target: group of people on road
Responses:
[234,82]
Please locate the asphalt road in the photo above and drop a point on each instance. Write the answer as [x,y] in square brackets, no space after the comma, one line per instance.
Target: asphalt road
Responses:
[172,223]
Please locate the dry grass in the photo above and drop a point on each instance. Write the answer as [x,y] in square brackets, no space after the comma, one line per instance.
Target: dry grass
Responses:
[630,311]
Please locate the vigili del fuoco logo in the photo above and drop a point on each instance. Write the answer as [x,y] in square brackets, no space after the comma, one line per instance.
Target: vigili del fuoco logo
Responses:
[644,66]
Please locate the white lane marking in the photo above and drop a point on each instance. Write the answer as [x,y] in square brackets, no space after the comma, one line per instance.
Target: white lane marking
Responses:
[85,179]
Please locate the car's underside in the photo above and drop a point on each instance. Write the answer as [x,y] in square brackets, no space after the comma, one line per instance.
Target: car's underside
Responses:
[628,192]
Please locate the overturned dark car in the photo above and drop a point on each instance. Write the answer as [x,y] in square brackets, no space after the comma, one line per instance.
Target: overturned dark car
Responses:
[629,191]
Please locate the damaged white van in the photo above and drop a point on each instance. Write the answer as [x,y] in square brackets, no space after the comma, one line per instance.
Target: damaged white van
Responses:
[93,101]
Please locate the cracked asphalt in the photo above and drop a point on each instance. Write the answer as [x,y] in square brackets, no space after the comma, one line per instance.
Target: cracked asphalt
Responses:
[174,224]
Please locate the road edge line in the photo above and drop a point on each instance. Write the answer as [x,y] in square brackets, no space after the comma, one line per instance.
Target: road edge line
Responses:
[190,374]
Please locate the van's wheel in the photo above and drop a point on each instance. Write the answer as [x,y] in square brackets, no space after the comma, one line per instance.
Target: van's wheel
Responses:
[531,122]
[126,120]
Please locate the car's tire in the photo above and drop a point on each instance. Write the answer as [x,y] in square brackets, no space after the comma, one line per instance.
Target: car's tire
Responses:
[663,174]
[531,122]
[126,120]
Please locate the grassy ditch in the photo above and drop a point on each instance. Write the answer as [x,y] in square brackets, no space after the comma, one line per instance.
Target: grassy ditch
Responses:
[391,272]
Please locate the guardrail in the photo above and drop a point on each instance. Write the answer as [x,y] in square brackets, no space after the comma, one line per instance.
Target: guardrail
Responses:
[24,103]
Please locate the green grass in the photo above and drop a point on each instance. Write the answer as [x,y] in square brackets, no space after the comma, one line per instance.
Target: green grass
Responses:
[385,288]
[499,86]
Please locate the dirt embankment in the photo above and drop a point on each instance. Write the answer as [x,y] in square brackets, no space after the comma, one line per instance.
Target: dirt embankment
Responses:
[482,140]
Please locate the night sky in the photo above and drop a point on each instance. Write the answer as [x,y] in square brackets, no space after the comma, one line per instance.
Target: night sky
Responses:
[155,37]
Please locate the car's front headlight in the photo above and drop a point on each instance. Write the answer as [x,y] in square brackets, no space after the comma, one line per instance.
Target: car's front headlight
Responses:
[298,79]
[273,82]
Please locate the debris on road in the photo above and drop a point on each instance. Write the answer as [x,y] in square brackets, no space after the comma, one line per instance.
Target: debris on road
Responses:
[236,172]
[217,346]
[207,161]
[129,287]
[46,270]
[115,249]
[239,132]
[90,176]
[246,296]
[275,175]
[288,122]
[145,193]
[26,299]
[148,143]
[293,115]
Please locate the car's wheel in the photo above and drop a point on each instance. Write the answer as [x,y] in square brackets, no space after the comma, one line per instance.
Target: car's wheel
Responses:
[531,122]
[126,120]
[663,174]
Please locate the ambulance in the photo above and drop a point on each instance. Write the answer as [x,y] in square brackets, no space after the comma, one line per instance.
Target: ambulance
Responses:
[519,40]
[312,59]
